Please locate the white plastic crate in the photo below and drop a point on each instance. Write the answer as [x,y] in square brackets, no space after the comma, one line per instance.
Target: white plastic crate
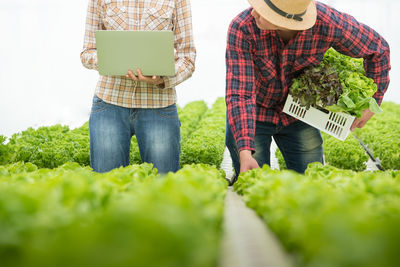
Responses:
[336,124]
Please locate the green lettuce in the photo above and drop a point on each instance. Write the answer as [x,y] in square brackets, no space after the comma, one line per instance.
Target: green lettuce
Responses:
[338,83]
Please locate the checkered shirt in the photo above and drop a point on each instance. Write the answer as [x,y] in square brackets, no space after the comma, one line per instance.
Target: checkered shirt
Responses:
[150,15]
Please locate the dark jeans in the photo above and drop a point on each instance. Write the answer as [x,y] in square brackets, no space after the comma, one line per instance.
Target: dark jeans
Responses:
[111,129]
[299,143]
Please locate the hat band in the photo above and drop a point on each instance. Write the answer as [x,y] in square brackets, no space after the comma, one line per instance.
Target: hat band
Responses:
[297,17]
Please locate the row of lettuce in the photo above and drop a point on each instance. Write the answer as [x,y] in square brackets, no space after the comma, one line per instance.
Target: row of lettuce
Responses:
[202,135]
[132,216]
[55,211]
[202,140]
[381,135]
[329,217]
[71,216]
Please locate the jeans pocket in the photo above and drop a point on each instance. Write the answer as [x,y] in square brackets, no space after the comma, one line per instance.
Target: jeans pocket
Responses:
[98,105]
[170,112]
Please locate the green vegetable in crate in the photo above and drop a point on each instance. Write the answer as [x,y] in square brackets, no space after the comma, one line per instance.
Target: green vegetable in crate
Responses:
[317,86]
[339,84]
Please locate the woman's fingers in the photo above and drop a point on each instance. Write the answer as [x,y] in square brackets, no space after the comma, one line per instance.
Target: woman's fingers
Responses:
[131,75]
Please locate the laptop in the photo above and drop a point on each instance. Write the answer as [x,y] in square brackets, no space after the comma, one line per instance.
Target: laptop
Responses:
[120,51]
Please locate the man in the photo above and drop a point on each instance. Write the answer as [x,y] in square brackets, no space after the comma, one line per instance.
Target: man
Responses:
[268,45]
[137,104]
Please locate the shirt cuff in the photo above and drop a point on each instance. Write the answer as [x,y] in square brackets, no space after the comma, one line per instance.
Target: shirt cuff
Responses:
[378,98]
[246,143]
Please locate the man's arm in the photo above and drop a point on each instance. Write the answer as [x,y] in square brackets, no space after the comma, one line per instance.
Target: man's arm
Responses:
[241,94]
[185,51]
[93,23]
[359,40]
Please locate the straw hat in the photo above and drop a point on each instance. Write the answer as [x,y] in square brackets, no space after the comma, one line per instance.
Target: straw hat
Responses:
[288,14]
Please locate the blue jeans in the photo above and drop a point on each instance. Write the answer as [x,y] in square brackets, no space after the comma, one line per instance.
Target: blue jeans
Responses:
[111,129]
[299,143]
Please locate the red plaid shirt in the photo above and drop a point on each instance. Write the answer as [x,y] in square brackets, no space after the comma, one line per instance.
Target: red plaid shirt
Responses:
[260,65]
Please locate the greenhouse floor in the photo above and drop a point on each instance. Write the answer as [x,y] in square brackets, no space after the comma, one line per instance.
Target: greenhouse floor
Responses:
[247,241]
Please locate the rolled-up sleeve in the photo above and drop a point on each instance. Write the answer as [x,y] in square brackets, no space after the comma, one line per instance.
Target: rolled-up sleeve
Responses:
[359,40]
[93,23]
[185,51]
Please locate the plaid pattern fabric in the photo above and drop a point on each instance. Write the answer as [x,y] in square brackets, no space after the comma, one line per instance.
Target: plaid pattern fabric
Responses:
[260,65]
[150,15]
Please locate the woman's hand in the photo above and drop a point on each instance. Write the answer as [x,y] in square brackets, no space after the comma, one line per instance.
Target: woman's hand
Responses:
[155,80]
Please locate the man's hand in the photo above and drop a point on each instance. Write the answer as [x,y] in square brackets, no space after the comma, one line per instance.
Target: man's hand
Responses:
[359,123]
[155,80]
[247,162]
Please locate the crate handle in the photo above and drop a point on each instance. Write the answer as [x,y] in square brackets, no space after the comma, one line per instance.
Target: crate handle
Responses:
[322,109]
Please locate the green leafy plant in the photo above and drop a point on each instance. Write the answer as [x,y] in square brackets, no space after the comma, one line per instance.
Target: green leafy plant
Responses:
[50,147]
[339,84]
[207,143]
[320,216]
[317,86]
[71,216]
[346,154]
[5,153]
[382,135]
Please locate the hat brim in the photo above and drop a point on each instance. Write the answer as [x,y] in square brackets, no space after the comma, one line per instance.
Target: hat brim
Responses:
[271,16]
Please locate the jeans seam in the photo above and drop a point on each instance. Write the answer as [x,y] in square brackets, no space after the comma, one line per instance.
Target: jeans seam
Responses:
[167,117]
[100,109]
[175,116]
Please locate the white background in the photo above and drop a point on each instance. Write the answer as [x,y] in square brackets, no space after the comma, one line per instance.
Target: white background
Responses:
[42,81]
